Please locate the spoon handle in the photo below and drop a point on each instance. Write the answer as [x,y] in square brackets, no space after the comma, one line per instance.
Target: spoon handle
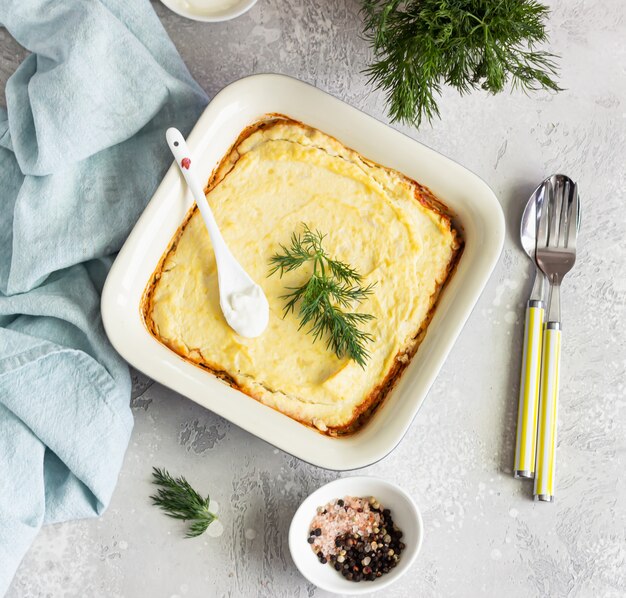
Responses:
[526,441]
[178,146]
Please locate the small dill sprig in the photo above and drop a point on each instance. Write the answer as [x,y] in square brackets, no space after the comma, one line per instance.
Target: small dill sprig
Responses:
[421,45]
[333,287]
[179,500]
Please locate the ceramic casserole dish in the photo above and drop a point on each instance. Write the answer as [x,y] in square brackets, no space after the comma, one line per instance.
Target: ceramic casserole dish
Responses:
[476,214]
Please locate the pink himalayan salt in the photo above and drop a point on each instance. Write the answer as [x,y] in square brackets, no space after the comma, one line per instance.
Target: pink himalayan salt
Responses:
[339,520]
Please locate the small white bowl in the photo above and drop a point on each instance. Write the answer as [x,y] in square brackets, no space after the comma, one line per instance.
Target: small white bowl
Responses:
[209,11]
[405,515]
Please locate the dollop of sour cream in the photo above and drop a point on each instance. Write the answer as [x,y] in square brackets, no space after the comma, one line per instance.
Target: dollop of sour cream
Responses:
[202,7]
[247,311]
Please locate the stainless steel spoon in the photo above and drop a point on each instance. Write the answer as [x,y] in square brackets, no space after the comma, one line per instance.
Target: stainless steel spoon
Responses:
[526,440]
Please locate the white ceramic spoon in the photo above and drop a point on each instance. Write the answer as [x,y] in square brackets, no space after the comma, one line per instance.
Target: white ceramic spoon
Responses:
[243,302]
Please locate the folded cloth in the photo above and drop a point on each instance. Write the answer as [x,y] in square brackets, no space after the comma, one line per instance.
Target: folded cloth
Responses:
[82,148]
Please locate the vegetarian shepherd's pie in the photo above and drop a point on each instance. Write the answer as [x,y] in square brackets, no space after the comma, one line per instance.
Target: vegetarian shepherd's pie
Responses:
[281,173]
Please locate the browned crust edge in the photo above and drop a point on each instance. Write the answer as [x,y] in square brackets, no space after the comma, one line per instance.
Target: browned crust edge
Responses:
[377,396]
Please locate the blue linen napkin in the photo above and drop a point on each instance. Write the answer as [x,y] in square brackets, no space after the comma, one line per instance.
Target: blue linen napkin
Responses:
[82,149]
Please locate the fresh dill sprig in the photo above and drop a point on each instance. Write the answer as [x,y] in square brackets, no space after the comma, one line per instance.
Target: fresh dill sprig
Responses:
[180,501]
[421,45]
[333,287]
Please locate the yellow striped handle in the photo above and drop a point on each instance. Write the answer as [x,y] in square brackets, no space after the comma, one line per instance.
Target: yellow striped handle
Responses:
[529,392]
[548,402]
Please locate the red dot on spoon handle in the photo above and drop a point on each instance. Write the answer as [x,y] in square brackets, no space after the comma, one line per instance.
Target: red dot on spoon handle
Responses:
[185,163]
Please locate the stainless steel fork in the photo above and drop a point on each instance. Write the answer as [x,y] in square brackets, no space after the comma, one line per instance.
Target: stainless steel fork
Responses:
[555,255]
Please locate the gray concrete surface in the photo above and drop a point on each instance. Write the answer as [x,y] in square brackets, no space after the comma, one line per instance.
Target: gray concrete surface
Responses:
[484,535]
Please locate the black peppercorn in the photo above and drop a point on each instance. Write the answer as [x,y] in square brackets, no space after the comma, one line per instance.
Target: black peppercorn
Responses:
[363,556]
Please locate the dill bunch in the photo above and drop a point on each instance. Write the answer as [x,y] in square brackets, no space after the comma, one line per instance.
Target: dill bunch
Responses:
[179,500]
[421,45]
[325,297]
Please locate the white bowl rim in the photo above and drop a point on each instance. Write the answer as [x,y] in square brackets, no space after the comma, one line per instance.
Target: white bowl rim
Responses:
[224,15]
[295,536]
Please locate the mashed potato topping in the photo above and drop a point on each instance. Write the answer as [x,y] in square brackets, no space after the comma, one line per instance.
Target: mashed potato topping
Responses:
[276,177]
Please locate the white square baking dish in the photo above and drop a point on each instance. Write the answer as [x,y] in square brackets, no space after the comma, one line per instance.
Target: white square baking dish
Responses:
[477,212]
